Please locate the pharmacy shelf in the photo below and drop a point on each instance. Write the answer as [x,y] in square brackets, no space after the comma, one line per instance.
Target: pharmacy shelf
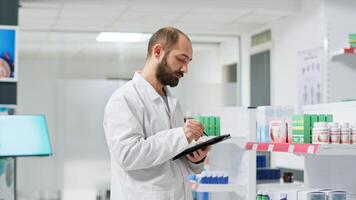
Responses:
[238,189]
[344,56]
[283,147]
[239,141]
[337,149]
[315,149]
[280,186]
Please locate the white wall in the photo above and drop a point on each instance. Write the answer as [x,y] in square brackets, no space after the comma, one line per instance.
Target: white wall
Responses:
[245,69]
[324,24]
[203,88]
[341,74]
[229,53]
[84,157]
[53,83]
[37,95]
[302,31]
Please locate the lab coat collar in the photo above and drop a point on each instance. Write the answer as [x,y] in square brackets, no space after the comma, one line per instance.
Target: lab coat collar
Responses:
[172,100]
[146,86]
[153,94]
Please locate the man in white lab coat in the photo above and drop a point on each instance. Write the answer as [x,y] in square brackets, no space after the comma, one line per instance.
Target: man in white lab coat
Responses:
[144,126]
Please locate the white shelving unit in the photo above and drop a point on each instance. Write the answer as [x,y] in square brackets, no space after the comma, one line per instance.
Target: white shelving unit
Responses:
[309,149]
[337,149]
[336,169]
[327,165]
[341,56]
[239,141]
[279,186]
[240,190]
[286,188]
[231,157]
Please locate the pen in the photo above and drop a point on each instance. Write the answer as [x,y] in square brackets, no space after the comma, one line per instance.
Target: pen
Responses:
[185,119]
[205,134]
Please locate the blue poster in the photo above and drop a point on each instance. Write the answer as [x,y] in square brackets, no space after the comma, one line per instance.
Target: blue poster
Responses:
[7,53]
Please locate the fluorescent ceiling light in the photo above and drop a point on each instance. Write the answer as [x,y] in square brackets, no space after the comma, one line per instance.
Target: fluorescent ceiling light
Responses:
[122,37]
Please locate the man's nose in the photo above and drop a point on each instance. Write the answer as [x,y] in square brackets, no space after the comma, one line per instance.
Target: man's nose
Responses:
[184,68]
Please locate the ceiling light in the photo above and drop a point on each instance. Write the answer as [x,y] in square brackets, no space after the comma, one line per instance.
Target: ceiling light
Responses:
[122,37]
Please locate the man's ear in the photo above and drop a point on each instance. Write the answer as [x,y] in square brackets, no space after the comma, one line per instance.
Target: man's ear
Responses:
[157,51]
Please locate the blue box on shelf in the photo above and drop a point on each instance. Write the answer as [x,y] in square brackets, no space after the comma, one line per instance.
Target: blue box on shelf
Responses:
[268,174]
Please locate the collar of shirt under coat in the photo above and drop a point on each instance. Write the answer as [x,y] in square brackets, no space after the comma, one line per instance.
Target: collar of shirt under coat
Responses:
[152,93]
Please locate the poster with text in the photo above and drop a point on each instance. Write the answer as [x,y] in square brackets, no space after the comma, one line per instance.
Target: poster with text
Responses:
[311,77]
[8,53]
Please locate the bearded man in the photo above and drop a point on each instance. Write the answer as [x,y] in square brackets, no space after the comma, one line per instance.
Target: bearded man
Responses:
[145,129]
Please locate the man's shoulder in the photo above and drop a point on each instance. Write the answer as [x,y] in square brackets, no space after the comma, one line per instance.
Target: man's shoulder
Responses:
[124,90]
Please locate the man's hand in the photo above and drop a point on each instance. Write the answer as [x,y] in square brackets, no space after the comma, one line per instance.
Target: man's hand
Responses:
[193,130]
[198,156]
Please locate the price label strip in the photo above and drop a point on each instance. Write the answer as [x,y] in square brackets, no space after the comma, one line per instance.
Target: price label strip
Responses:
[270,147]
[291,148]
[254,147]
[311,149]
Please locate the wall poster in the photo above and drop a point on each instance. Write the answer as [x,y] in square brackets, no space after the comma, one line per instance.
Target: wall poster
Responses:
[8,53]
[311,77]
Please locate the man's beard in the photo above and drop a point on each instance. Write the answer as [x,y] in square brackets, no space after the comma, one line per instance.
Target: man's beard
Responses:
[165,75]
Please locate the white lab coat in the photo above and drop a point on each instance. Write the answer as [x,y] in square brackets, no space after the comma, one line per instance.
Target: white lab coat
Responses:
[143,136]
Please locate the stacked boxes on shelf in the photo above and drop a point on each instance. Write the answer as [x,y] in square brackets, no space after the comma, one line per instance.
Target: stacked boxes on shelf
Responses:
[352,40]
[302,126]
[268,175]
[210,177]
[211,124]
[274,124]
[213,177]
[321,194]
[271,195]
[264,174]
[352,43]
[304,194]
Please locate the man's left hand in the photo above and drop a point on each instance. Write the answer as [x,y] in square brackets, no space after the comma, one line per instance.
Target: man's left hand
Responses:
[198,156]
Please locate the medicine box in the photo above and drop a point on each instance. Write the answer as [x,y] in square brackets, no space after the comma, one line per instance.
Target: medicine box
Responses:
[302,126]
[321,118]
[277,131]
[211,124]
[303,194]
[274,120]
[329,118]
[264,114]
[217,126]
[301,129]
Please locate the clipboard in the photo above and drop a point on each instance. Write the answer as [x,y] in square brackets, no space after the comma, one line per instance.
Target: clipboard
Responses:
[202,145]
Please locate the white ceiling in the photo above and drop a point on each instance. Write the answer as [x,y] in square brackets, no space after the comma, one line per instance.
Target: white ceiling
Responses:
[68,28]
[199,17]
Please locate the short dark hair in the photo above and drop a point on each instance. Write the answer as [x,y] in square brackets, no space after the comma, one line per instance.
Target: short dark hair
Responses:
[167,36]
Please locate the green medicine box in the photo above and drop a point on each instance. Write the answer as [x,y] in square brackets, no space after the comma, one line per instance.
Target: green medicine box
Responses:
[211,126]
[301,129]
[205,122]
[313,119]
[217,120]
[322,118]
[352,37]
[329,118]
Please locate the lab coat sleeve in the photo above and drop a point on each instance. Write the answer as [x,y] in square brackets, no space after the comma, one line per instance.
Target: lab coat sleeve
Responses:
[127,142]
